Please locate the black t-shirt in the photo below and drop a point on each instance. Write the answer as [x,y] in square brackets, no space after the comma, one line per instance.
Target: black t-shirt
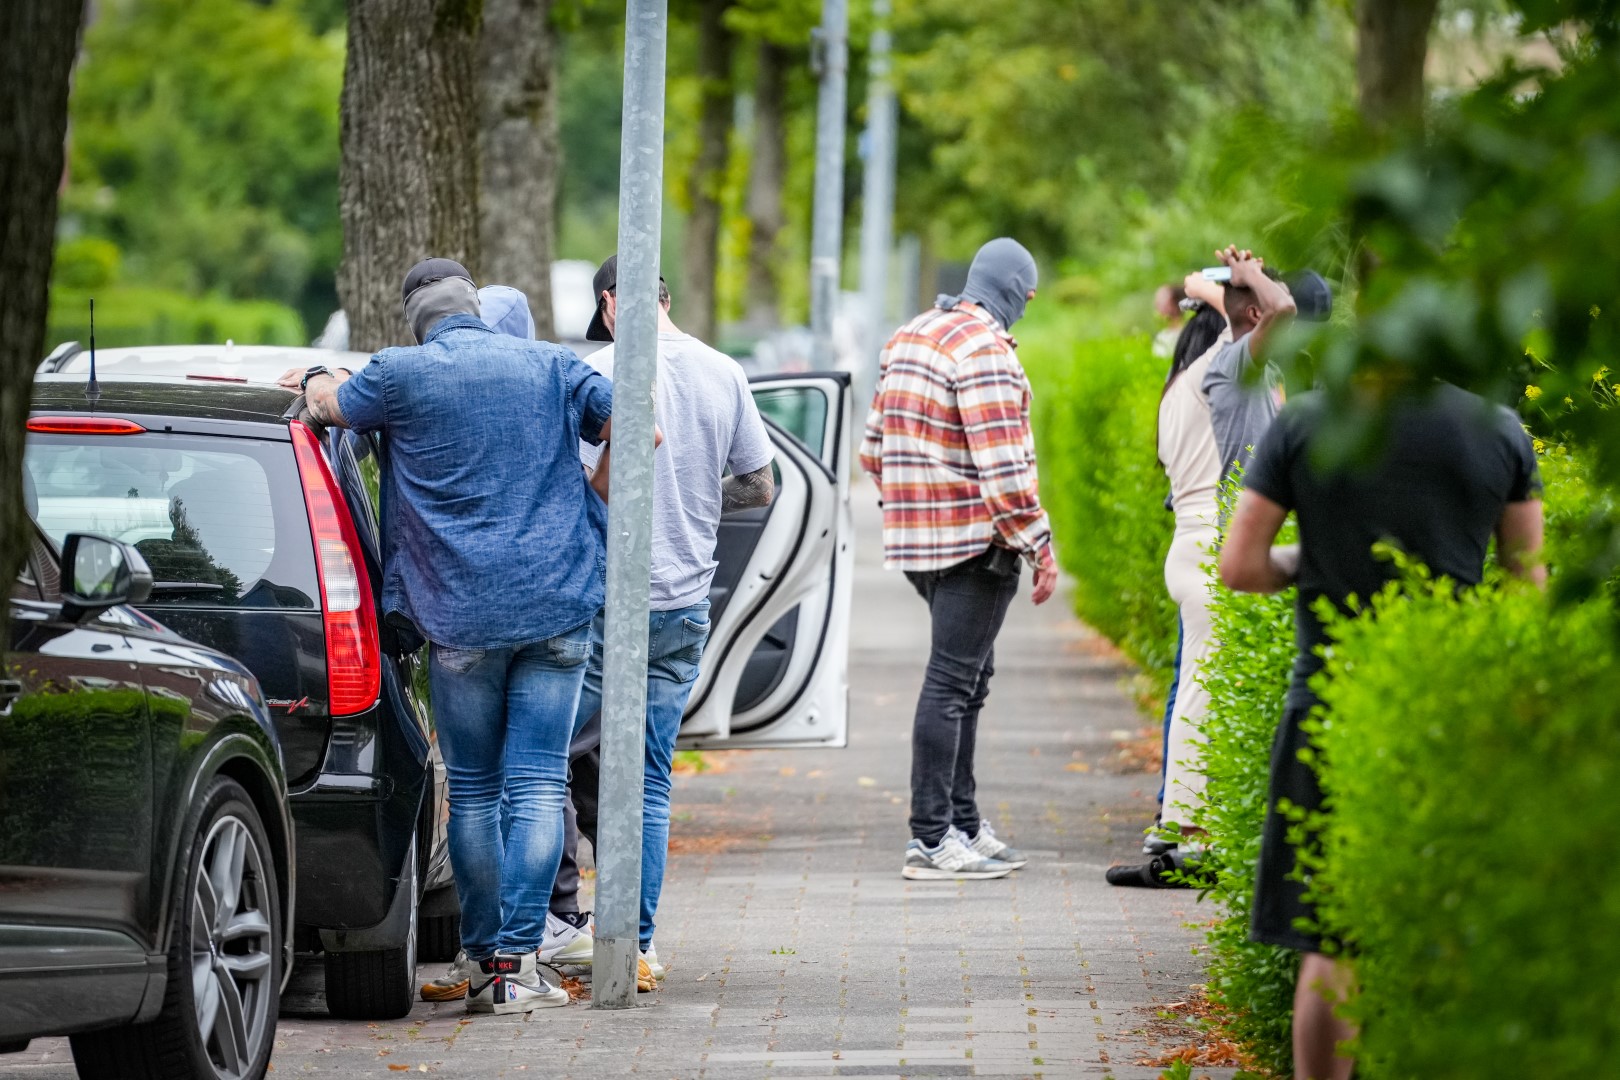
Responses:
[1435,489]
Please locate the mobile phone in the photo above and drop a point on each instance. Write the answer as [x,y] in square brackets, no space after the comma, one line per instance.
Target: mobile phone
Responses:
[1221,274]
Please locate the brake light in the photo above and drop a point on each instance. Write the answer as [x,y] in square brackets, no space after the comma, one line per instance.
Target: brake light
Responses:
[83,425]
[353,657]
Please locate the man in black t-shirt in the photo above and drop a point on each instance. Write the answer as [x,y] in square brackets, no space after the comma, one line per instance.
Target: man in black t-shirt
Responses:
[1451,472]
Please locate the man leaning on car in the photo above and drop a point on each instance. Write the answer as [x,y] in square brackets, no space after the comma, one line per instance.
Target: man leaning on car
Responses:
[489,553]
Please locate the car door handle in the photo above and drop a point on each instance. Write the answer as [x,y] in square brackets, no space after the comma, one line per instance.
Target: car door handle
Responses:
[10,691]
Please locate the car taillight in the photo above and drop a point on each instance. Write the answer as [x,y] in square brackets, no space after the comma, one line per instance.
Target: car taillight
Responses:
[353,658]
[83,425]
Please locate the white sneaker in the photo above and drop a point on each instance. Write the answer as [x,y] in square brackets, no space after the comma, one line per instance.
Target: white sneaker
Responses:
[952,860]
[565,945]
[508,983]
[651,956]
[452,985]
[991,846]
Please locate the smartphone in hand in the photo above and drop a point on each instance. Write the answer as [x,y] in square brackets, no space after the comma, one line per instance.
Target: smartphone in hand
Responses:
[1221,274]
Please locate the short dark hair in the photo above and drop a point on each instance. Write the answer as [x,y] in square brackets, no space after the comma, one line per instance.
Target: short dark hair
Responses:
[1239,297]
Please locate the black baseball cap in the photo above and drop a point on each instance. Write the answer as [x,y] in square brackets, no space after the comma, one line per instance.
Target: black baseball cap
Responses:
[1313,296]
[428,271]
[606,280]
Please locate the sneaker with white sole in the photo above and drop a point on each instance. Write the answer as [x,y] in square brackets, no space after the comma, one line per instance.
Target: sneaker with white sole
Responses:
[565,945]
[453,984]
[651,956]
[952,860]
[991,846]
[509,983]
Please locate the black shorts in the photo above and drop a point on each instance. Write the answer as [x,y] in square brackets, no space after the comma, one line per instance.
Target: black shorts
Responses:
[1279,898]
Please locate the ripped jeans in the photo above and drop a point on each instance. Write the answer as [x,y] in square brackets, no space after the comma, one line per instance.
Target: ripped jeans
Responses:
[504,718]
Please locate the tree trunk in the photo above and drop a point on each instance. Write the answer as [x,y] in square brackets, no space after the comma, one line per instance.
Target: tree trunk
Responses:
[766,179]
[1392,44]
[521,151]
[36,61]
[408,185]
[718,99]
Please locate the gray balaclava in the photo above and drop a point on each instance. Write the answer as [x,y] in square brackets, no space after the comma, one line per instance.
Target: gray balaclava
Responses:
[1000,281]
[435,289]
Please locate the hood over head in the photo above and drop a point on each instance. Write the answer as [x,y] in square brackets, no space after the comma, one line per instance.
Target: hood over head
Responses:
[1000,280]
[505,310]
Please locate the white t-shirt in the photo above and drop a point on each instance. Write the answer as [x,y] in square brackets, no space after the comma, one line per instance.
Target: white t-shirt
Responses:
[710,423]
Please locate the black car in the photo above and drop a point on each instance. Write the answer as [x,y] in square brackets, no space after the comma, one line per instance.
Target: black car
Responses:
[146,863]
[263,540]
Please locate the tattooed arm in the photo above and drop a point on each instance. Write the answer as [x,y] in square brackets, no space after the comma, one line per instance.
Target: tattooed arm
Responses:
[747,491]
[320,398]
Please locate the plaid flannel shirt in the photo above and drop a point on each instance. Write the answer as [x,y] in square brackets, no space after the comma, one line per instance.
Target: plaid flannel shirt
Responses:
[948,444]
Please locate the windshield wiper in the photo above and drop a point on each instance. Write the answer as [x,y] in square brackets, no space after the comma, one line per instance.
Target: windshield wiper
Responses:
[185,588]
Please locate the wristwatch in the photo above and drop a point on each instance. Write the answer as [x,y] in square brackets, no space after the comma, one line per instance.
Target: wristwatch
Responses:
[318,369]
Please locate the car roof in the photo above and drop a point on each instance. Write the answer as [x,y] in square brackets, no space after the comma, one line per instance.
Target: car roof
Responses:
[166,396]
[252,363]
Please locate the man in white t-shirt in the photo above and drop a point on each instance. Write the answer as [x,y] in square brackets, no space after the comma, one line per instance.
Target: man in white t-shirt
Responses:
[706,411]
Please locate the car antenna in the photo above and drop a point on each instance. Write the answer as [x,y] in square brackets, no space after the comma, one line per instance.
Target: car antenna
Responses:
[92,392]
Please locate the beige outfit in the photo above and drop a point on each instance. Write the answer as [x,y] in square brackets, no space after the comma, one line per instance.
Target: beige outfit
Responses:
[1192,460]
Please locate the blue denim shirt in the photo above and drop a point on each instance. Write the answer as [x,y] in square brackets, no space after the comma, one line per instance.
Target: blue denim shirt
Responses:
[488,538]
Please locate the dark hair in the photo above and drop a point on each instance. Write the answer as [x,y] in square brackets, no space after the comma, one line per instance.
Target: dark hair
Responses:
[1239,297]
[663,292]
[1196,338]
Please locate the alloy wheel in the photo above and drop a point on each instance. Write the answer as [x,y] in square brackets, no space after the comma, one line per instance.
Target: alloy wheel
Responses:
[232,949]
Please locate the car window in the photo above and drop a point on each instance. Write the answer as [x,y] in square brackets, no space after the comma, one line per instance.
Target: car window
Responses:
[220,521]
[801,410]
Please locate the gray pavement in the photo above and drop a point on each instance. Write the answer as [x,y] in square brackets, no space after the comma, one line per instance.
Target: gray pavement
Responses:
[794,947]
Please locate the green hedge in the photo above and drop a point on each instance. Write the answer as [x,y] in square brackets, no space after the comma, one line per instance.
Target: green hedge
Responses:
[131,315]
[1095,418]
[1472,757]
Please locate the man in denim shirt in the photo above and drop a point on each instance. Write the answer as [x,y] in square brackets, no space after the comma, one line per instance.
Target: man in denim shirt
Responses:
[490,554]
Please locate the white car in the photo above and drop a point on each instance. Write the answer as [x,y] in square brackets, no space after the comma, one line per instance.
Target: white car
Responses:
[776,667]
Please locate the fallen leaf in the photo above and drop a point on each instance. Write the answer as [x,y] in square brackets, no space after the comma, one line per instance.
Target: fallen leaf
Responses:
[813,772]
[787,770]
[399,1068]
[866,781]
[1077,766]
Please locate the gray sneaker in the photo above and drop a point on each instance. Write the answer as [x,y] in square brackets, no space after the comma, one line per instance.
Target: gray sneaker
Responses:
[952,860]
[991,846]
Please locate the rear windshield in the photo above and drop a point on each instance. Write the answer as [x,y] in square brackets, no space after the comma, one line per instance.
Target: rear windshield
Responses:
[221,521]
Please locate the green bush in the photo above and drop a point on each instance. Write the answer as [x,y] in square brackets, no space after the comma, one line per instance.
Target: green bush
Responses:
[1246,678]
[1472,756]
[1095,417]
[128,315]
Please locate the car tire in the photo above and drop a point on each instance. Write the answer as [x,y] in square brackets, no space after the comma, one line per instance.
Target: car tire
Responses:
[377,984]
[223,992]
[440,938]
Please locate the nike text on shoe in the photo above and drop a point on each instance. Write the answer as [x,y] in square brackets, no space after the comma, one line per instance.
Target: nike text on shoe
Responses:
[565,945]
[950,861]
[452,985]
[509,983]
[991,846]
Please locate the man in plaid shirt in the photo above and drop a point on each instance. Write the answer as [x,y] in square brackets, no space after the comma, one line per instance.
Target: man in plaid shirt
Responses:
[948,445]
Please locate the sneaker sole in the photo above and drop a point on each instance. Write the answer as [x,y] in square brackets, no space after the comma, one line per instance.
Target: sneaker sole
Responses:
[574,953]
[928,873]
[507,1008]
[1016,864]
[435,992]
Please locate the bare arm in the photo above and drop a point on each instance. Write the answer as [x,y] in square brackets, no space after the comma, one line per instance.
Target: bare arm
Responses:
[599,476]
[1248,561]
[1518,541]
[320,398]
[1275,302]
[747,491]
[1199,287]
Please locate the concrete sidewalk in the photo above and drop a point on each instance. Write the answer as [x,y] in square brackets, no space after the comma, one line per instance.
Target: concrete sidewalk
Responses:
[794,947]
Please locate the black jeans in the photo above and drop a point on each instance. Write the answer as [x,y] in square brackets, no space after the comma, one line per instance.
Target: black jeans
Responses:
[967,603]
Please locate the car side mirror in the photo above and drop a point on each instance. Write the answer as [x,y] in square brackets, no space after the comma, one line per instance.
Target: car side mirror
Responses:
[98,573]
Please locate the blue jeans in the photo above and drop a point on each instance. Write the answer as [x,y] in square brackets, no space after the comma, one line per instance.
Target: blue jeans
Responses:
[1170,710]
[504,717]
[675,641]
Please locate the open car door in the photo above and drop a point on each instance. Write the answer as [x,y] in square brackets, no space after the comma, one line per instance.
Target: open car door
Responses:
[776,668]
